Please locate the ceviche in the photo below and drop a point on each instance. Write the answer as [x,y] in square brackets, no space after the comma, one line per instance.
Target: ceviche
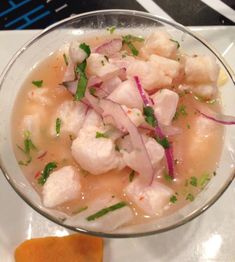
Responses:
[117,129]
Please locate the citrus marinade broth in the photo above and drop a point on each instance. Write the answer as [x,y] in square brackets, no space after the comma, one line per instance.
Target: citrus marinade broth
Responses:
[188,164]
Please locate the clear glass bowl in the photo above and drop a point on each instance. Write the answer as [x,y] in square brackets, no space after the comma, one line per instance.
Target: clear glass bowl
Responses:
[81,25]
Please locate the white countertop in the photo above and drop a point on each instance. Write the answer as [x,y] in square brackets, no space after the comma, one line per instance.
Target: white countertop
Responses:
[210,237]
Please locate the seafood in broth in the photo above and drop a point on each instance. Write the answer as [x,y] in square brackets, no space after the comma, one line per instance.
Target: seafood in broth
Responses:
[118,129]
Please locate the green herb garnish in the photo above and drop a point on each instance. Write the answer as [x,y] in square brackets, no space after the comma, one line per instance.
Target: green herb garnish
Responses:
[92,91]
[85,48]
[173,199]
[190,197]
[106,210]
[65,59]
[177,43]
[26,162]
[149,116]
[193,181]
[167,177]
[131,175]
[164,142]
[180,111]
[99,135]
[58,126]
[203,180]
[46,172]
[37,83]
[82,82]
[128,39]
[111,29]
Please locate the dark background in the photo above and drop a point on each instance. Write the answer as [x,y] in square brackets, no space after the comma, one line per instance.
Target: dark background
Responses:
[37,14]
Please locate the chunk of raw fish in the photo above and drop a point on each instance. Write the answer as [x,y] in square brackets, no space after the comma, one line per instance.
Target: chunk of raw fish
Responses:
[151,199]
[160,43]
[98,65]
[72,115]
[61,186]
[201,69]
[77,54]
[127,94]
[103,159]
[165,104]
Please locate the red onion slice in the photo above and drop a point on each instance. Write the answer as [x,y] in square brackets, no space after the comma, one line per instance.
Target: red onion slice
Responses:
[219,118]
[93,102]
[94,81]
[144,96]
[144,165]
[158,132]
[71,86]
[110,48]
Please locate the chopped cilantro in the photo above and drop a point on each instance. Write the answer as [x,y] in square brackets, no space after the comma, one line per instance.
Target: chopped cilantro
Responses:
[111,29]
[167,177]
[57,126]
[190,197]
[193,181]
[92,91]
[177,43]
[99,135]
[37,83]
[149,116]
[85,48]
[131,175]
[82,82]
[26,162]
[46,172]
[128,39]
[180,111]
[164,142]
[203,180]
[173,199]
[65,59]
[106,210]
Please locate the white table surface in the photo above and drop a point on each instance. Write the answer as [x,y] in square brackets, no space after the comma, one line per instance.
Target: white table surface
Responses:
[210,237]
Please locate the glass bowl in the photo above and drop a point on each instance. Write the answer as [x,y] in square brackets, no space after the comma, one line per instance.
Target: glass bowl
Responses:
[51,39]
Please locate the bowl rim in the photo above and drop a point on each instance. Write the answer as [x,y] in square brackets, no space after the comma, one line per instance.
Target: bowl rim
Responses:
[183,221]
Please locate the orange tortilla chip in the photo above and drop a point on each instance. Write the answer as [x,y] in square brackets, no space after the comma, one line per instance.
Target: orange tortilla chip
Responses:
[72,248]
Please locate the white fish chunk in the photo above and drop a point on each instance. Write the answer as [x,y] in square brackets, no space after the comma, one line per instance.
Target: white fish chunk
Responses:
[77,54]
[165,104]
[201,69]
[96,155]
[160,43]
[92,119]
[151,199]
[205,91]
[135,115]
[151,77]
[61,186]
[127,94]
[170,67]
[109,222]
[154,149]
[98,65]
[72,115]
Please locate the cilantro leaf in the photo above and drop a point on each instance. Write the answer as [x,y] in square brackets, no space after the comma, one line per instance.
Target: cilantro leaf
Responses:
[99,135]
[164,142]
[190,197]
[149,116]
[176,42]
[111,29]
[82,82]
[85,48]
[37,83]
[46,172]
[193,181]
[106,210]
[58,126]
[128,39]
[203,180]
[173,199]
[65,59]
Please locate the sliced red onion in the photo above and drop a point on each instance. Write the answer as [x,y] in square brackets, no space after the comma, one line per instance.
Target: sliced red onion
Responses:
[110,48]
[143,162]
[219,118]
[94,81]
[158,132]
[69,74]
[71,86]
[93,102]
[144,96]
